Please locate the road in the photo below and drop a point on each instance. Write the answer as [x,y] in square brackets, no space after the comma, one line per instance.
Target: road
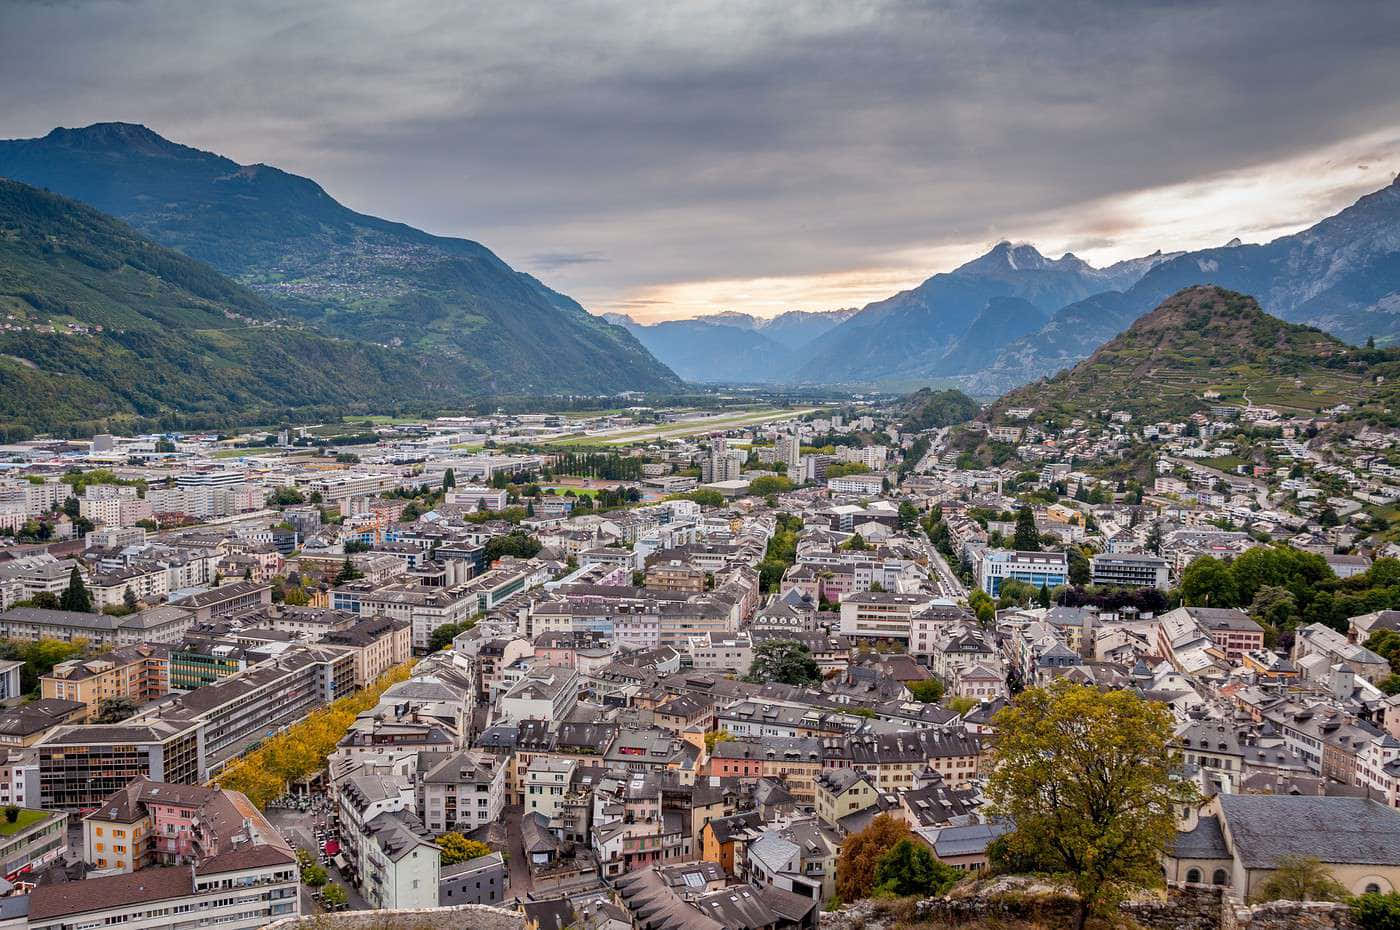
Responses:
[299,829]
[517,866]
[948,583]
[935,449]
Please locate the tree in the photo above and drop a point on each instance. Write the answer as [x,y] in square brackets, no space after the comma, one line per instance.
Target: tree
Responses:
[1043,598]
[962,704]
[1377,911]
[1299,878]
[785,661]
[457,848]
[716,736]
[442,636]
[861,854]
[769,484]
[114,710]
[1086,778]
[928,691]
[75,597]
[334,896]
[1079,569]
[857,543]
[11,813]
[908,516]
[909,868]
[348,572]
[129,599]
[1154,539]
[313,875]
[1027,538]
[72,507]
[449,479]
[1275,606]
[1207,582]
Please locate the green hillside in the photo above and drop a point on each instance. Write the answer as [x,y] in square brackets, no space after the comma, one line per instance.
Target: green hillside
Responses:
[104,329]
[1208,339]
[344,273]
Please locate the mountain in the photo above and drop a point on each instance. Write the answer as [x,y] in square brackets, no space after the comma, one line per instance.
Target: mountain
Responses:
[101,328]
[1206,338]
[921,333]
[701,351]
[733,347]
[357,276]
[1341,275]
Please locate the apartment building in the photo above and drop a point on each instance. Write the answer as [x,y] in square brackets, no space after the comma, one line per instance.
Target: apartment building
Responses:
[880,614]
[1130,570]
[135,673]
[461,791]
[377,643]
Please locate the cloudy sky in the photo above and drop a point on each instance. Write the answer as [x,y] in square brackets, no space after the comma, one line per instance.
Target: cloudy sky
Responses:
[678,158]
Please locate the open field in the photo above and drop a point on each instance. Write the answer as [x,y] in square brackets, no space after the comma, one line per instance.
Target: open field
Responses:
[692,426]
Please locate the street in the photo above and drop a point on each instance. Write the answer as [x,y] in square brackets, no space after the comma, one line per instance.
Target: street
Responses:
[299,828]
[517,865]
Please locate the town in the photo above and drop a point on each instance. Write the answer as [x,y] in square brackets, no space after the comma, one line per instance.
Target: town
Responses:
[663,667]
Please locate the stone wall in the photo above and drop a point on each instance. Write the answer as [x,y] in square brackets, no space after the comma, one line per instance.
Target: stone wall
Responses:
[460,917]
[1009,901]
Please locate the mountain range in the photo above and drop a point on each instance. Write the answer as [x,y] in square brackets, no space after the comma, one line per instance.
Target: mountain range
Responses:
[1206,345]
[333,270]
[1013,315]
[734,347]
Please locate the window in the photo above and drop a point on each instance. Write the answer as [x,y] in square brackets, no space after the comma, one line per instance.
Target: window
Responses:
[1219,878]
[1373,888]
[1193,876]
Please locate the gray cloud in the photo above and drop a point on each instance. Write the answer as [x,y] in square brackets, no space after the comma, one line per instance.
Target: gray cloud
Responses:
[717,139]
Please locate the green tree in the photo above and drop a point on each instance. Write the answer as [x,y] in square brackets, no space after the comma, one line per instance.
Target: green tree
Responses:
[1207,582]
[909,868]
[1043,597]
[334,896]
[1275,606]
[856,543]
[11,813]
[313,875]
[449,479]
[114,710]
[1299,878]
[908,516]
[785,661]
[1079,569]
[769,484]
[927,691]
[1377,911]
[457,848]
[1027,538]
[75,597]
[1086,777]
[348,572]
[129,600]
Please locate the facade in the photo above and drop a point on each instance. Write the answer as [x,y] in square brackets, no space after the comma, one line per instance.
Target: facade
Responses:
[1130,570]
[880,615]
[1037,569]
[484,880]
[135,673]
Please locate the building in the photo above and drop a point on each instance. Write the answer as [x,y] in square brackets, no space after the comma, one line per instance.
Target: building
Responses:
[880,614]
[461,791]
[483,880]
[377,643]
[37,838]
[1229,628]
[1334,648]
[238,872]
[1237,841]
[1037,569]
[1130,570]
[136,674]
[861,485]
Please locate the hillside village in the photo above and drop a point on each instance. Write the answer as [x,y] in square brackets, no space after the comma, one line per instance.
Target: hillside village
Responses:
[528,661]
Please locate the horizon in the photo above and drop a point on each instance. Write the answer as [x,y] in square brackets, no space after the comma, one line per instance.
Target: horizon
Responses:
[757,160]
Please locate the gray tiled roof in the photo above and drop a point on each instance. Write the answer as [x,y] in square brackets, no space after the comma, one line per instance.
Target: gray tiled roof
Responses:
[1334,830]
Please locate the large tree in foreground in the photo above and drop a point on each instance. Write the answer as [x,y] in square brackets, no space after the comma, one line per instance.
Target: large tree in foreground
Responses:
[1085,777]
